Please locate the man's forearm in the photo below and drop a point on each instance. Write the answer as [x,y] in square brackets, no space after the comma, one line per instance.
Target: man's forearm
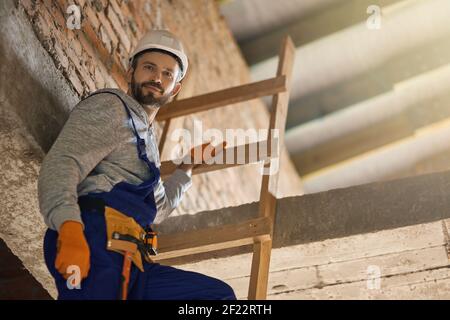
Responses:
[169,194]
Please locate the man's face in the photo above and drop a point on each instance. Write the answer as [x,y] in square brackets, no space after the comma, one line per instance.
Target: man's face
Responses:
[154,81]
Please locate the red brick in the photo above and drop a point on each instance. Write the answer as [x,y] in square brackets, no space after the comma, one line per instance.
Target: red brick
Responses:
[128,19]
[118,75]
[45,14]
[91,84]
[74,58]
[90,14]
[44,29]
[30,6]
[47,3]
[118,11]
[98,77]
[136,16]
[86,45]
[58,16]
[96,43]
[75,81]
[105,39]
[74,43]
[104,3]
[111,34]
[134,41]
[116,24]
[110,82]
[80,64]
[123,5]
[81,3]
[61,56]
[63,5]
[122,55]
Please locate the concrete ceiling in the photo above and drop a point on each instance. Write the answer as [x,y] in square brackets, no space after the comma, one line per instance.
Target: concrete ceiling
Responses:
[348,76]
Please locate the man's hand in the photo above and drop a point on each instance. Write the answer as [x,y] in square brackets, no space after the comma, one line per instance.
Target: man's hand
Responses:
[205,155]
[73,249]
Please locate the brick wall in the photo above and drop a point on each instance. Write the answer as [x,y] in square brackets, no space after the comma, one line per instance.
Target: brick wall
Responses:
[95,56]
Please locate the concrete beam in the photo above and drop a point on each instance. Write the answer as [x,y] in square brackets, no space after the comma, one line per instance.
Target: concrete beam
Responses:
[333,214]
[371,124]
[262,16]
[365,86]
[384,162]
[331,17]
[435,163]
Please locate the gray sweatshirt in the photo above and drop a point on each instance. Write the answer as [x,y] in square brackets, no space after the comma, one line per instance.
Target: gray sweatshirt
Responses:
[95,150]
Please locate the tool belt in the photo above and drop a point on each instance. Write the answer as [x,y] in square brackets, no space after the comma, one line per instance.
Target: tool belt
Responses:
[124,228]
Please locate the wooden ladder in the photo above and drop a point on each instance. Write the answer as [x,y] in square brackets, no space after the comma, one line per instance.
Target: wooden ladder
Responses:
[257,231]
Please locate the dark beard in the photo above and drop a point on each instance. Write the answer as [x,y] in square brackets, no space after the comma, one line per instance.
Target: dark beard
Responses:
[137,89]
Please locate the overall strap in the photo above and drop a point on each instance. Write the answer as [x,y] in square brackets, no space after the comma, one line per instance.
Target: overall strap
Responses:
[140,143]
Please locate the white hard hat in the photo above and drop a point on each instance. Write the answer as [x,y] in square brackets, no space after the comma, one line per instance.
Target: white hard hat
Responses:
[162,40]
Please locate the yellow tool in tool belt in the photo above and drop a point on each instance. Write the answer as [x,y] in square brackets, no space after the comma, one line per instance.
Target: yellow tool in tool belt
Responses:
[120,227]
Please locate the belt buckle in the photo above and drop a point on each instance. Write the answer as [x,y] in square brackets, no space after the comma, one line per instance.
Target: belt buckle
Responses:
[151,241]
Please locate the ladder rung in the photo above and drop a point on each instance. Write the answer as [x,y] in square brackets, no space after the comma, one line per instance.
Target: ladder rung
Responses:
[230,157]
[214,238]
[223,98]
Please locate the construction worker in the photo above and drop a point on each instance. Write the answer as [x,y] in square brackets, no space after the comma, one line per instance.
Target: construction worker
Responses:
[101,177]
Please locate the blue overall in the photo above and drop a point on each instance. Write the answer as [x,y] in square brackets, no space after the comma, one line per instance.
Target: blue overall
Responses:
[157,282]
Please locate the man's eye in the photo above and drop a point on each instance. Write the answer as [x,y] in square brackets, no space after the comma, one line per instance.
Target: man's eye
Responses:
[148,67]
[168,74]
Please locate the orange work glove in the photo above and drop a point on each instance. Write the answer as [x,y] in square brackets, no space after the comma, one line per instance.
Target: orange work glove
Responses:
[72,249]
[208,154]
